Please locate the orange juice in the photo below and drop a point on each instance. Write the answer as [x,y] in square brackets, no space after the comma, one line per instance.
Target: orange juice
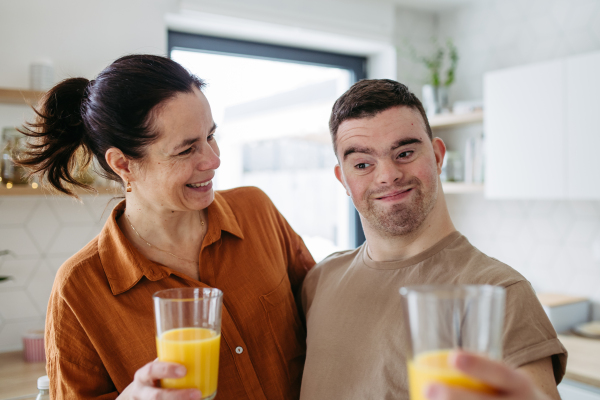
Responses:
[198,350]
[433,367]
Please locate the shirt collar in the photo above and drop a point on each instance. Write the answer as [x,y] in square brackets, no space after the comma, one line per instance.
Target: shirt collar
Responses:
[125,266]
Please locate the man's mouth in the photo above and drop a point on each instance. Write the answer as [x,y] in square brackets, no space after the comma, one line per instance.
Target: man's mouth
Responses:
[392,195]
[197,185]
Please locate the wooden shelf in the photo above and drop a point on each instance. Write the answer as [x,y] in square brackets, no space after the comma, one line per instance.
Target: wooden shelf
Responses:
[461,187]
[26,190]
[20,96]
[450,120]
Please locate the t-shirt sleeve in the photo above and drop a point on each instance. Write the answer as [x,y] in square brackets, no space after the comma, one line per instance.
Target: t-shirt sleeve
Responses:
[74,368]
[528,334]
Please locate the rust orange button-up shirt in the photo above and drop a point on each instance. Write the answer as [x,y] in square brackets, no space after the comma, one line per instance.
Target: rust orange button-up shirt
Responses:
[100,326]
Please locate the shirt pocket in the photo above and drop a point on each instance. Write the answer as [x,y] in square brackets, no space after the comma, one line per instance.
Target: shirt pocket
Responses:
[286,328]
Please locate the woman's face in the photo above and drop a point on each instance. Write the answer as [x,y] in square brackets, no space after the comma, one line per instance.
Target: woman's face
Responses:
[177,172]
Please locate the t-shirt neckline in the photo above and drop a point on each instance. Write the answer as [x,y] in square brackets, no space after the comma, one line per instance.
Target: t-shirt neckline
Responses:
[417,258]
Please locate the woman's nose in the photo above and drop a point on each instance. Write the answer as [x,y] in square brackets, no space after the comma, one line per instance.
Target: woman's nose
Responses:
[209,158]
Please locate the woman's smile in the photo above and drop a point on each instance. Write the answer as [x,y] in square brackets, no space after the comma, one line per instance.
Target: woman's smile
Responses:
[200,186]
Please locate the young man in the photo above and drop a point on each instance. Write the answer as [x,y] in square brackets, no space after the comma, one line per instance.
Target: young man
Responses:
[389,164]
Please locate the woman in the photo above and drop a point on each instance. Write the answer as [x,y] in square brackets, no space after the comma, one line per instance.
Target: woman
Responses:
[148,125]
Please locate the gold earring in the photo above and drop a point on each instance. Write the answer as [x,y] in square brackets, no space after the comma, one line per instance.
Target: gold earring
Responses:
[128,187]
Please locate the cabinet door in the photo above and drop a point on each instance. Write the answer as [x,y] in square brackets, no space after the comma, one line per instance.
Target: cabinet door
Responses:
[583,126]
[525,137]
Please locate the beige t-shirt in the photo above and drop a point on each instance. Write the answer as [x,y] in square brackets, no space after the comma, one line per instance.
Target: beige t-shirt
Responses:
[356,344]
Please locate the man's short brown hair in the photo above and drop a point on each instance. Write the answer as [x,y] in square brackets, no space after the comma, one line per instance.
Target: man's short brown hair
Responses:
[369,97]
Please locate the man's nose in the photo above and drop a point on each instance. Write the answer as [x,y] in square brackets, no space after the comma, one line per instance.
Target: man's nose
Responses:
[388,172]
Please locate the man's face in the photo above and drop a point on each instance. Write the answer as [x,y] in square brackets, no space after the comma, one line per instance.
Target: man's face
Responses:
[390,168]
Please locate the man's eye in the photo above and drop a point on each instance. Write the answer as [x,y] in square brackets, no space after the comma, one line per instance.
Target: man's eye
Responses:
[187,151]
[362,165]
[405,154]
[210,137]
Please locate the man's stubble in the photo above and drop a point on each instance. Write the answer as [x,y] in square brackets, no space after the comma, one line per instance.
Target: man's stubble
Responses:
[400,219]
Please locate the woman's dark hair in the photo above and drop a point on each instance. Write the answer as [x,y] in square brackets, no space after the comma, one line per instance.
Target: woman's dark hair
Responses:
[79,120]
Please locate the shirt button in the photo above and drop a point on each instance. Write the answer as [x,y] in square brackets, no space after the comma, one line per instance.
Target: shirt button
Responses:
[239,350]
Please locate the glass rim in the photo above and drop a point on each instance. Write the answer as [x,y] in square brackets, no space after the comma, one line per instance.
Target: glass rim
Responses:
[187,294]
[451,290]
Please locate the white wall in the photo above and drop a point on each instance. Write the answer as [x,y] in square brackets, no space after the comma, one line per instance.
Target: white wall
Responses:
[417,29]
[495,34]
[365,19]
[81,37]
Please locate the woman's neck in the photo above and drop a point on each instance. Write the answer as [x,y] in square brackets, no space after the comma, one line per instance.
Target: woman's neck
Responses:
[168,237]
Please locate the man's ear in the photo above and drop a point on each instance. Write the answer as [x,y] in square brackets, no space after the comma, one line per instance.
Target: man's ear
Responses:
[340,177]
[119,163]
[439,150]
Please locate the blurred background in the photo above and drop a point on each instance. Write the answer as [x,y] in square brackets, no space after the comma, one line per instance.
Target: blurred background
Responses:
[511,86]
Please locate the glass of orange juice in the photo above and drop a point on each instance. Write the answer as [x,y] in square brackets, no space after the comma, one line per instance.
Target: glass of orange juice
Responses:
[188,332]
[443,318]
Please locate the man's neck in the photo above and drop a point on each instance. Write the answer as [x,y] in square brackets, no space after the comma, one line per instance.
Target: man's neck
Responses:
[436,226]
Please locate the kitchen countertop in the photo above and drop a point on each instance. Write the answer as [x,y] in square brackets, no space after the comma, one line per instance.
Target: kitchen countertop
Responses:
[18,379]
[583,364]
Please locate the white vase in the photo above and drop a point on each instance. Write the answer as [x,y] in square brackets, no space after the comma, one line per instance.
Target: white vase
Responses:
[435,99]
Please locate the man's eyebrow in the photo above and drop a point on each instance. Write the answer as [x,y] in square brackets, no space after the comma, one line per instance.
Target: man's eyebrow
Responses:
[188,142]
[355,149]
[404,142]
[368,150]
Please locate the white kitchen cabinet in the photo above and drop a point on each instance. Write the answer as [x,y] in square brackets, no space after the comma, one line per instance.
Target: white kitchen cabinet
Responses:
[542,127]
[583,126]
[524,124]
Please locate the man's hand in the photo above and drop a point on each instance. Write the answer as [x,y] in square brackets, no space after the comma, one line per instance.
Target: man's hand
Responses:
[510,384]
[143,386]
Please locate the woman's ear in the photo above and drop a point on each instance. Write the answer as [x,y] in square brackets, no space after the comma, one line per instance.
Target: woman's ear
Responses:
[119,163]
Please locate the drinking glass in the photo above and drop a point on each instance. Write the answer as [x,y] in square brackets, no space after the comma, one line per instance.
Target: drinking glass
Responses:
[188,332]
[443,318]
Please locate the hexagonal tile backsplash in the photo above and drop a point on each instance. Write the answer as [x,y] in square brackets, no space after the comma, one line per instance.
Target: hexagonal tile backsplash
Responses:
[42,233]
[549,242]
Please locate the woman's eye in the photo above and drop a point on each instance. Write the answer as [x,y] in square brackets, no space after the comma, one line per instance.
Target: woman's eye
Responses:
[187,151]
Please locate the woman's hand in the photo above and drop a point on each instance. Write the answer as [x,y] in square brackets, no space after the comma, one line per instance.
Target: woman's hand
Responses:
[510,384]
[144,383]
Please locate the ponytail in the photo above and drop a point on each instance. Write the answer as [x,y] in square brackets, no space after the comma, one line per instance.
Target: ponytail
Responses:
[58,150]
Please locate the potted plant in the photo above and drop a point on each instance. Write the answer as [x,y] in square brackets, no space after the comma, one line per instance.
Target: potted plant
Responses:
[435,91]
